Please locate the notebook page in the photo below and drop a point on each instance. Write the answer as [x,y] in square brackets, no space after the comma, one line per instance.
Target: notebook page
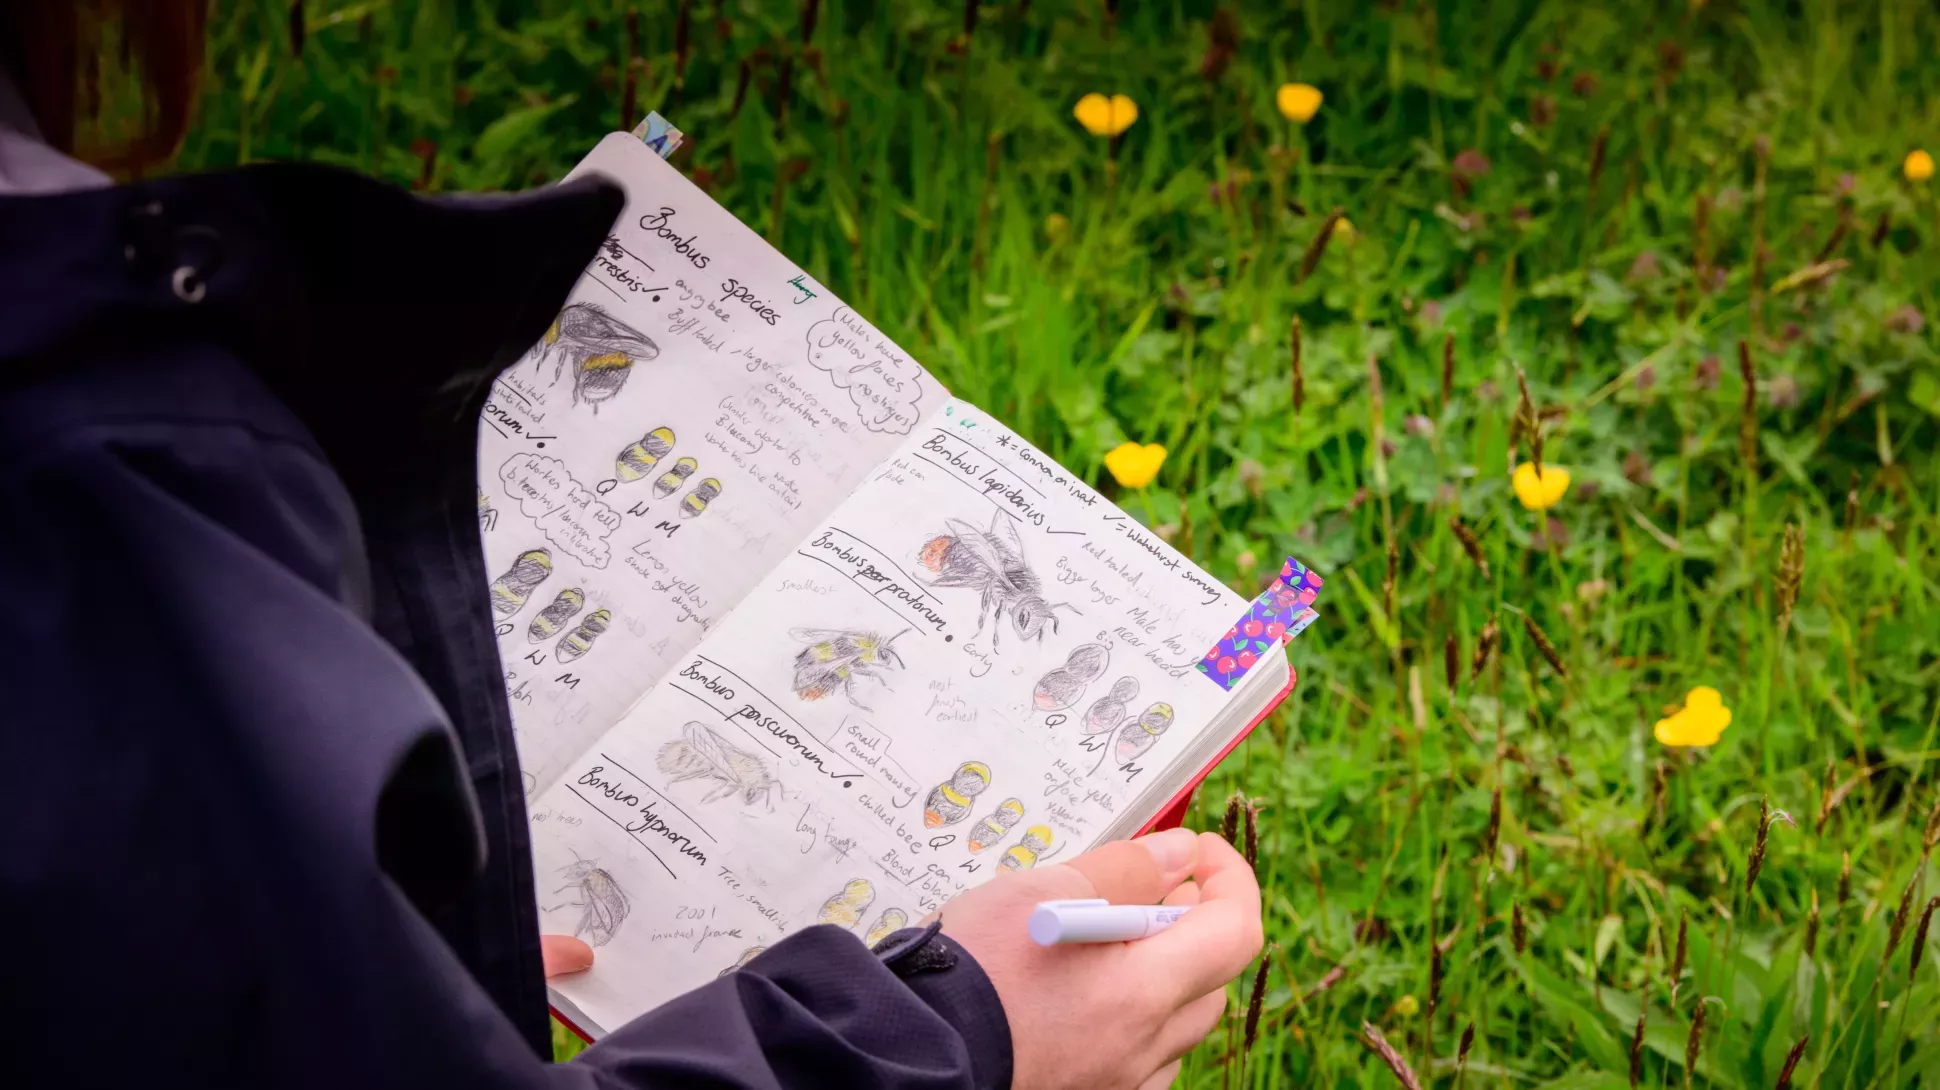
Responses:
[699,405]
[974,663]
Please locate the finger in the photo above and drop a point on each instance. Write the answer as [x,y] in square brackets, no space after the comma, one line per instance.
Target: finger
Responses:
[1163,1078]
[1142,871]
[1192,1024]
[564,954]
[1186,893]
[1213,943]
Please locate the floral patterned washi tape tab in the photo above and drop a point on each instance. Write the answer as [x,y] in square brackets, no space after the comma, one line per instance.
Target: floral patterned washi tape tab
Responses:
[1281,612]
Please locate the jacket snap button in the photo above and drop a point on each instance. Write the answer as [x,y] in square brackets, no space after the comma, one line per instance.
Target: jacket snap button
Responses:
[189,287]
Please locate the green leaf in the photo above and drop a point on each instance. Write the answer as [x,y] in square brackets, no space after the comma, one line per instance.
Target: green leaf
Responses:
[508,141]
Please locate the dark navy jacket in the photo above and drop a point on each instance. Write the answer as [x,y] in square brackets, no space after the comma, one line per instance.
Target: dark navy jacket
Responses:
[264,817]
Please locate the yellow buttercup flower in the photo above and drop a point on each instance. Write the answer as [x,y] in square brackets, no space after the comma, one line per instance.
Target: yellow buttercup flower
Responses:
[1699,722]
[1407,1006]
[1103,116]
[1298,102]
[1344,230]
[1133,465]
[1918,165]
[1540,491]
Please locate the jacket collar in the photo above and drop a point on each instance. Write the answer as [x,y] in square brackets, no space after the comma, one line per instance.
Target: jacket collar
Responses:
[373,314]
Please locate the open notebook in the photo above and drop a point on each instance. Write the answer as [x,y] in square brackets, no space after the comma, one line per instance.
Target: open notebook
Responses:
[792,636]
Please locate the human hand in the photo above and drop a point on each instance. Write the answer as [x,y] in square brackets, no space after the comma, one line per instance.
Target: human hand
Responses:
[564,954]
[1113,1016]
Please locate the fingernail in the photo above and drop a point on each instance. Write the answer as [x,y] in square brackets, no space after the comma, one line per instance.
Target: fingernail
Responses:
[1173,850]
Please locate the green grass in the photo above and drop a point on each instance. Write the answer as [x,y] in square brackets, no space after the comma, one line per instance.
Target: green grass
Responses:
[921,180]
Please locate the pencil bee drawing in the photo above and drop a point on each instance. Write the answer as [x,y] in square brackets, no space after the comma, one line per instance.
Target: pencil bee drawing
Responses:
[1061,687]
[601,349]
[510,590]
[701,753]
[696,501]
[887,924]
[580,640]
[547,622]
[1108,711]
[993,827]
[602,903]
[1138,735]
[640,456]
[676,475]
[835,657]
[1024,854]
[949,802]
[992,563]
[845,909]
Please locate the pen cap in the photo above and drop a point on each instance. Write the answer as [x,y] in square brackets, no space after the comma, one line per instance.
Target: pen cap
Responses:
[1054,922]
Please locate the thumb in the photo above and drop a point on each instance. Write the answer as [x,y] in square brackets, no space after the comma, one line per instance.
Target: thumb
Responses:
[1142,871]
[564,954]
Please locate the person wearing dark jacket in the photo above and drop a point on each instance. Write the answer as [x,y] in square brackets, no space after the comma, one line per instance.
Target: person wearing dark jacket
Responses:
[267,825]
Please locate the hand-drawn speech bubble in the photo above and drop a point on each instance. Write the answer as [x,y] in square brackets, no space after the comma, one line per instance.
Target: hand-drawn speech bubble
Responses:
[884,384]
[573,519]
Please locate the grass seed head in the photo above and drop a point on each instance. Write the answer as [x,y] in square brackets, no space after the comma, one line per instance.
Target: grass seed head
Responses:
[1920,939]
[1756,862]
[1468,1041]
[1256,1000]
[1470,545]
[1931,837]
[1527,424]
[1548,649]
[1845,877]
[1791,573]
[1376,1043]
[1235,808]
[1694,1044]
[1896,928]
[1448,368]
[1495,826]
[1812,927]
[1484,647]
[1518,930]
[1318,247]
[1452,661]
[1637,1047]
[1791,1063]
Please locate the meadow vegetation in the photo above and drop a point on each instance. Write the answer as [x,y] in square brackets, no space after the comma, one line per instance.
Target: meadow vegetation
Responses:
[1676,246]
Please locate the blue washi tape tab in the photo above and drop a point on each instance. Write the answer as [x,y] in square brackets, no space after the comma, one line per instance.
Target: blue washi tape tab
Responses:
[659,134]
[1281,612]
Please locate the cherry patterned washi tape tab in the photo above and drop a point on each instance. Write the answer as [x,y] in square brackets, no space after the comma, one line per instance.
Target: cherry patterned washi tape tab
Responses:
[1281,612]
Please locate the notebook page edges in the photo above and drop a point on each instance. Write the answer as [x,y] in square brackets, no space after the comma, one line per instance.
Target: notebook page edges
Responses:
[699,404]
[976,663]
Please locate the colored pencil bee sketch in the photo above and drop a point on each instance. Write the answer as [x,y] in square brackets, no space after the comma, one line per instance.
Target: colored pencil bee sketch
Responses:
[676,475]
[993,564]
[836,657]
[1108,711]
[949,802]
[547,622]
[996,825]
[528,570]
[1024,854]
[845,909]
[639,457]
[1137,735]
[696,501]
[747,955]
[887,924]
[487,514]
[702,754]
[1061,687]
[601,349]
[580,640]
[602,903]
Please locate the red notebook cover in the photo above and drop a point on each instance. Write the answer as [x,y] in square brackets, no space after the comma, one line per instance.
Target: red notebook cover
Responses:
[1174,813]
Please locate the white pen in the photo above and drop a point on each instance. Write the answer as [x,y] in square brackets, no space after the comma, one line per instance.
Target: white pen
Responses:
[1098,920]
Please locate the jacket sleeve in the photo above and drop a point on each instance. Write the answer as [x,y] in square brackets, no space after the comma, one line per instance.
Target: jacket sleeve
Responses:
[213,768]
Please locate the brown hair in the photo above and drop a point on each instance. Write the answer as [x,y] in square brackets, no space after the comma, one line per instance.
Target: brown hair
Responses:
[109,81]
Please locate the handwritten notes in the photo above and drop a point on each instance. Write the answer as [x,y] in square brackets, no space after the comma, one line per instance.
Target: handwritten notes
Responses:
[712,447]
[885,385]
[968,666]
